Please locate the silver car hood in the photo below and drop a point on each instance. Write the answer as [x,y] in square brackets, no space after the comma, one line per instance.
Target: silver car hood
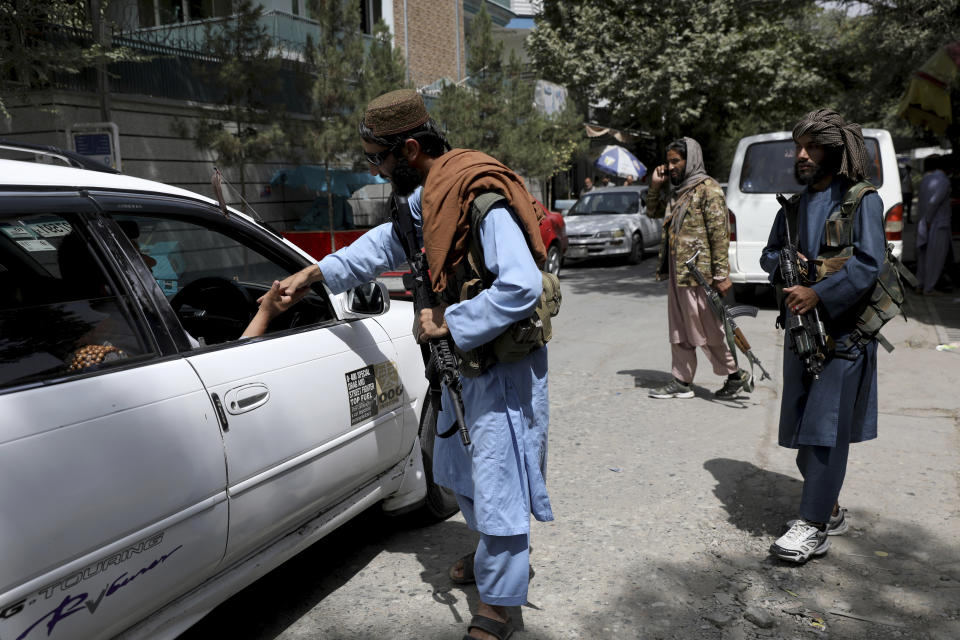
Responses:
[592,223]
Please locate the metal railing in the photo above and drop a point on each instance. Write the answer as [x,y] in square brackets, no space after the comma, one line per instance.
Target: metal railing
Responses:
[287,32]
[165,71]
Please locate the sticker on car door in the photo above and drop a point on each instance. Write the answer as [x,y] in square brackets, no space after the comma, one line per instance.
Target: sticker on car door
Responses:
[372,390]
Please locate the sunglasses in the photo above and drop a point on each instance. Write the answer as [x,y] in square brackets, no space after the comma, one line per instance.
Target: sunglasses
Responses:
[376,159]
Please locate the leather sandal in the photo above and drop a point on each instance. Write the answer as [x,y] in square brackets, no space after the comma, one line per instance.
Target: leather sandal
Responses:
[466,571]
[501,630]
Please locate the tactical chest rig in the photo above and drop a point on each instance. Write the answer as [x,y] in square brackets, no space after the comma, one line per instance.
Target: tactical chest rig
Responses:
[471,277]
[885,299]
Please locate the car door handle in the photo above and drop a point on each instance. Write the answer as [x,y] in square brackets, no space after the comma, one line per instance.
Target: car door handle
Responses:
[246,398]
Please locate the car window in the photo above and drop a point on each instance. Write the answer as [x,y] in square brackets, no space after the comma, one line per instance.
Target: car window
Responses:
[60,310]
[605,203]
[768,167]
[212,277]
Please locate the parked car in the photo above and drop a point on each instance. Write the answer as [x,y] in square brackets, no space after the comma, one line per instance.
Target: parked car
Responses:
[553,232]
[562,206]
[763,167]
[154,464]
[612,222]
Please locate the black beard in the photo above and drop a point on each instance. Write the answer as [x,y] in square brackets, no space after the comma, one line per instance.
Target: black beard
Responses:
[676,181]
[404,178]
[819,173]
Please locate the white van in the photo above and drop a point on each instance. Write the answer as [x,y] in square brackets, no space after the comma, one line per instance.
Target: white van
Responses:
[763,167]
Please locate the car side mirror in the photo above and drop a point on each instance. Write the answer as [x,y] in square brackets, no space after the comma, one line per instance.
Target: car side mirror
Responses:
[370,299]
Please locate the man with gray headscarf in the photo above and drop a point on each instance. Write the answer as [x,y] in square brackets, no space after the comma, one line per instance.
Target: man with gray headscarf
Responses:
[822,413]
[695,219]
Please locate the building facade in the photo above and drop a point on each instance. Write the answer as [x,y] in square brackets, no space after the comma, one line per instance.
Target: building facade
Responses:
[152,104]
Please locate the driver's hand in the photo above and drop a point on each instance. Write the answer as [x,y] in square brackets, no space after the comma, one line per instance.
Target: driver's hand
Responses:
[273,302]
[294,287]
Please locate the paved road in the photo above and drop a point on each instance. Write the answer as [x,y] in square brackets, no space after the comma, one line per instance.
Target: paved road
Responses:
[665,508]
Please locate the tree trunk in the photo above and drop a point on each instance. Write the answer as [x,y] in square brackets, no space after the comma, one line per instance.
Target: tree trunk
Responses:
[102,37]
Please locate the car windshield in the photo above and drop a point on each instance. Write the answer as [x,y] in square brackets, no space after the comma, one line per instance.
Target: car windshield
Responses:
[768,167]
[606,203]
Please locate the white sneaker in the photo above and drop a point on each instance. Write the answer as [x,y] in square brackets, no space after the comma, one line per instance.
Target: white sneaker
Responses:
[837,526]
[801,542]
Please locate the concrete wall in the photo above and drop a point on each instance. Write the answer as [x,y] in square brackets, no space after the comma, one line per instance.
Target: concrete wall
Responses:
[151,147]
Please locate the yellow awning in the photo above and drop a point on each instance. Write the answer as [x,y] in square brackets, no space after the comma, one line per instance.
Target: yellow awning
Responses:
[927,100]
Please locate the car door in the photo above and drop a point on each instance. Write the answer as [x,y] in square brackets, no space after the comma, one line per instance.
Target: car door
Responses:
[310,412]
[112,476]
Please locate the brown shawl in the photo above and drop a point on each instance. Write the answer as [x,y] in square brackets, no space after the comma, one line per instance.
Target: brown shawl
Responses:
[455,179]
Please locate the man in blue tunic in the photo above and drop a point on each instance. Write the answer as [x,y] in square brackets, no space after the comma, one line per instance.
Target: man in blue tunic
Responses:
[820,415]
[500,478]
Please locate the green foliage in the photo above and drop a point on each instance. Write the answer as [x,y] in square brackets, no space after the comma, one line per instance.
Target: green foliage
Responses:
[495,112]
[40,40]
[249,127]
[715,70]
[687,67]
[338,59]
[384,68]
[872,73]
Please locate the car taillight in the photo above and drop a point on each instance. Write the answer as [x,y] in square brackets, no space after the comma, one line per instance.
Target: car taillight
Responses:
[733,226]
[893,223]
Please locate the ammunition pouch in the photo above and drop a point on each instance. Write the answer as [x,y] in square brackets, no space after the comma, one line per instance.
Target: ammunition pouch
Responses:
[885,300]
[521,338]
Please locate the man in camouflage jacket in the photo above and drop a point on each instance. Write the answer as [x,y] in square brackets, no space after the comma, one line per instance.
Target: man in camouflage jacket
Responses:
[695,219]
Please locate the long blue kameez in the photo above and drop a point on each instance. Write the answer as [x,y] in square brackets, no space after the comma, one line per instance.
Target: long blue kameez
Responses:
[840,407]
[500,479]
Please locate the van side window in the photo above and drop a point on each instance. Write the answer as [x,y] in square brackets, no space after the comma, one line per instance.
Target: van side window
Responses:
[768,167]
[60,311]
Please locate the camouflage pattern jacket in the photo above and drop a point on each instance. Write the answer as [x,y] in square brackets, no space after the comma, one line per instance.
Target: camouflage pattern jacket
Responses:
[703,227]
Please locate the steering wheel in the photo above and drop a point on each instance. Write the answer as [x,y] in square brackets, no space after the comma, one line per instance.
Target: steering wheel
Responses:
[215,308]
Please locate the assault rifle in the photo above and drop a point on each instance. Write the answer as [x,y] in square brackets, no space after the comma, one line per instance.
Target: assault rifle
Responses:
[726,315]
[442,362]
[808,339]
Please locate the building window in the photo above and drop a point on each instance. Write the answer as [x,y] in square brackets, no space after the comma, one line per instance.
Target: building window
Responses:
[371,11]
[158,12]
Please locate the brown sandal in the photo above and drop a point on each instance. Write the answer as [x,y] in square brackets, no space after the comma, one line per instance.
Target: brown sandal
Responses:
[501,630]
[466,570]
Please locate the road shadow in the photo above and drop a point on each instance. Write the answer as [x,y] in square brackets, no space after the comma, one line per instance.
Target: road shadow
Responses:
[651,379]
[609,278]
[886,578]
[286,594]
[757,501]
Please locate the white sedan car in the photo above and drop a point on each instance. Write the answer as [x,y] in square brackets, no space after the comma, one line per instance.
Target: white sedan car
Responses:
[611,222]
[153,463]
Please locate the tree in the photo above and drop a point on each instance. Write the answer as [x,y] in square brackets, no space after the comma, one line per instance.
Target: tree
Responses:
[43,40]
[495,111]
[338,59]
[874,72]
[384,68]
[688,67]
[248,128]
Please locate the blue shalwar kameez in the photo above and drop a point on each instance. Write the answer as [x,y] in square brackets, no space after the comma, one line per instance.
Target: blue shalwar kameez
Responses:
[500,479]
[822,417]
